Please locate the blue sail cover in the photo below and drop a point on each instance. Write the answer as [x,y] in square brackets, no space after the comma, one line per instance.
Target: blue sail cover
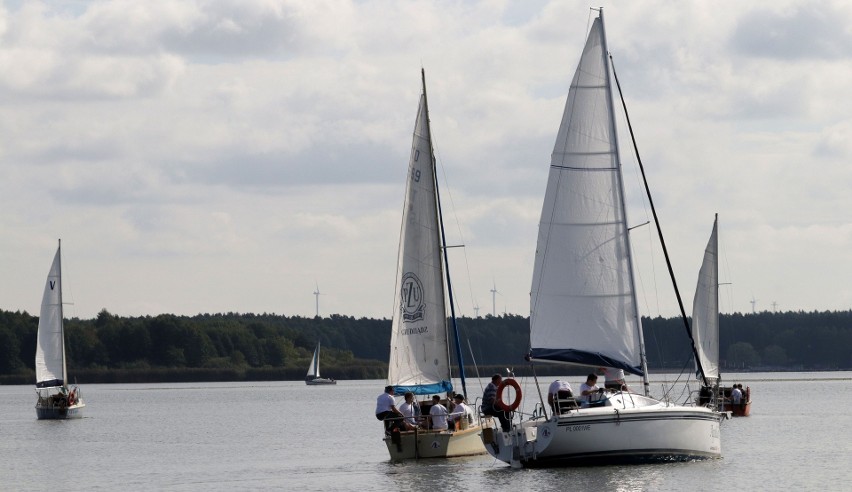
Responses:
[425,389]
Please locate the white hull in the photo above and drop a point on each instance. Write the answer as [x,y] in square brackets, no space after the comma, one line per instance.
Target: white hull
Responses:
[48,411]
[607,435]
[318,381]
[436,444]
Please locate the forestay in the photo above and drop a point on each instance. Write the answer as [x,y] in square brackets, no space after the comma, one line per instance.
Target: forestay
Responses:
[50,350]
[583,307]
[705,310]
[419,355]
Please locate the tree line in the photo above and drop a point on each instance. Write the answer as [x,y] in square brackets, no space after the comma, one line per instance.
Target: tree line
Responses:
[234,346]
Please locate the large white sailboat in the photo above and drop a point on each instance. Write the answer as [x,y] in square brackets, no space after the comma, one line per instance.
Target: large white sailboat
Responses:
[313,377]
[56,398]
[419,352]
[583,302]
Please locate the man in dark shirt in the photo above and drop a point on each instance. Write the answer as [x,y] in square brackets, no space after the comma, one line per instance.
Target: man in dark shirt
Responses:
[489,402]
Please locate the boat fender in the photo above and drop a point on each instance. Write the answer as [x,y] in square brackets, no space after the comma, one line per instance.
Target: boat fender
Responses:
[503,405]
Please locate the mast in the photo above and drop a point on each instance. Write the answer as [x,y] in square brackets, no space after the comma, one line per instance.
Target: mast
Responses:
[642,356]
[62,318]
[446,266]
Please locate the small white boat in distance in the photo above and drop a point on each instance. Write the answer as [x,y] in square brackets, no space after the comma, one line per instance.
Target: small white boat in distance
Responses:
[56,398]
[313,377]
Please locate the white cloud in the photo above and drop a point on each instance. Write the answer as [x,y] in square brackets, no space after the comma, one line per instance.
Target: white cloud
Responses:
[226,156]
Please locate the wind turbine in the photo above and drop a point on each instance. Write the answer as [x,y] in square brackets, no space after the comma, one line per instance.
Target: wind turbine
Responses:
[317,294]
[753,302]
[494,299]
[476,309]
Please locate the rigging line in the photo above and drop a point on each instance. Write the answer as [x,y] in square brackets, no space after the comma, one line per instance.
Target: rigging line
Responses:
[659,228]
[449,194]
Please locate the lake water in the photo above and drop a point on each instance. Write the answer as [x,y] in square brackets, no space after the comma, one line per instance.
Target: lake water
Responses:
[289,436]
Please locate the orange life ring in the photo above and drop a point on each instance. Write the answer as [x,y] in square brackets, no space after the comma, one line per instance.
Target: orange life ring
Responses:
[503,405]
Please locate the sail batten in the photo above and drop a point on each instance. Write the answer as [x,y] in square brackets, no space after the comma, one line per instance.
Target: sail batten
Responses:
[582,304]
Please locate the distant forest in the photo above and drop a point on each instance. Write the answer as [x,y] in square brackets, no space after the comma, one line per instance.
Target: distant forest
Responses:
[237,347]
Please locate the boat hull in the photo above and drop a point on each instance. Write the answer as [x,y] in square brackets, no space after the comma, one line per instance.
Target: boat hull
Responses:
[741,410]
[54,412]
[435,444]
[603,436]
[319,381]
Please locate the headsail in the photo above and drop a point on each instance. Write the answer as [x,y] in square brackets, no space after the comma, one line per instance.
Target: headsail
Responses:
[705,310]
[50,347]
[583,308]
[313,369]
[419,360]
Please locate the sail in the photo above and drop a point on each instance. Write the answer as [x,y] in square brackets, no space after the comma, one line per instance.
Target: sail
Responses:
[419,354]
[50,348]
[705,309]
[313,369]
[582,306]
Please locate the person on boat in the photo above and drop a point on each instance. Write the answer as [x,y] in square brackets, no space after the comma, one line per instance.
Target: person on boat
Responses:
[589,391]
[460,412]
[736,395]
[410,411]
[558,390]
[489,403]
[387,412]
[438,414]
[614,379]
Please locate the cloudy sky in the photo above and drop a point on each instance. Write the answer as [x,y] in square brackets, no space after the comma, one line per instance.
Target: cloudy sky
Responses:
[217,156]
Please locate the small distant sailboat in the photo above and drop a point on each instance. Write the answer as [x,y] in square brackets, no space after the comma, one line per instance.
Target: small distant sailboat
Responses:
[705,332]
[56,398]
[313,377]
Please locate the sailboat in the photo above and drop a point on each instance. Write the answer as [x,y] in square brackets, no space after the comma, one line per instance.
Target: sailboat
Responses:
[705,332]
[583,308]
[56,398]
[419,350]
[313,377]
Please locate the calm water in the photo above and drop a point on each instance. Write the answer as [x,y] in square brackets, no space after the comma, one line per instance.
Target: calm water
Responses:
[287,435]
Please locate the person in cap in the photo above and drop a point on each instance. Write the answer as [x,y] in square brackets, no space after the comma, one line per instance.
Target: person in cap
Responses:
[460,412]
[387,412]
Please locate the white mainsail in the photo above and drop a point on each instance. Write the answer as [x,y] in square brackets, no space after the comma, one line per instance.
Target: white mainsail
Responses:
[50,347]
[583,308]
[313,369]
[419,354]
[705,309]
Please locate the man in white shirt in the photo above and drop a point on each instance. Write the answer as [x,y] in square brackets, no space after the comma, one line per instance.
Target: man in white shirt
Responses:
[438,414]
[459,414]
[736,395]
[410,410]
[589,390]
[614,379]
[558,390]
[386,409]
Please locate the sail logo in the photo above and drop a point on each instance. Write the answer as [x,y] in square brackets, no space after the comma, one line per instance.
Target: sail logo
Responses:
[411,300]
[52,284]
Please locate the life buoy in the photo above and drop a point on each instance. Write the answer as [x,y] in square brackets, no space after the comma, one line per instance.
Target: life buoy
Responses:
[503,405]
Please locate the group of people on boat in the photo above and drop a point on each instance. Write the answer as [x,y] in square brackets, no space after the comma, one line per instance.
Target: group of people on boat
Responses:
[560,397]
[409,417]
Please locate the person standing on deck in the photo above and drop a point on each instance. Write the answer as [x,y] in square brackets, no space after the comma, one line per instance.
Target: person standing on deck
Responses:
[489,402]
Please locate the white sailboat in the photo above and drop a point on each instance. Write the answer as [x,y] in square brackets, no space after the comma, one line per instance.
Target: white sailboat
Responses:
[705,332]
[583,302]
[419,352]
[56,398]
[313,377]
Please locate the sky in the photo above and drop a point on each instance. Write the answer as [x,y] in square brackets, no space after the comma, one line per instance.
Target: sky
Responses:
[237,156]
